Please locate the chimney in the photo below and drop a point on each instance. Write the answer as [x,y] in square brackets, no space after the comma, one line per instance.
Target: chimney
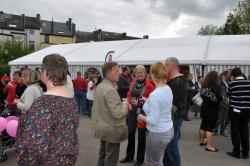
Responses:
[73,29]
[52,26]
[23,20]
[69,24]
[38,18]
[145,36]
[123,35]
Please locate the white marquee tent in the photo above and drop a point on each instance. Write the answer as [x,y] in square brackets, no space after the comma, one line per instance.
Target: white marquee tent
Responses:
[199,52]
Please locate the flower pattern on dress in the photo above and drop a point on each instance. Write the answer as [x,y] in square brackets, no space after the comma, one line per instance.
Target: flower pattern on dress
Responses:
[46,134]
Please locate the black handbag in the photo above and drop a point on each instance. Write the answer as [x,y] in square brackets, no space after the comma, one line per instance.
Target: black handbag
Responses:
[208,95]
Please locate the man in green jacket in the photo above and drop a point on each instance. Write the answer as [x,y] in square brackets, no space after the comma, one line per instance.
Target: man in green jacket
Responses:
[109,116]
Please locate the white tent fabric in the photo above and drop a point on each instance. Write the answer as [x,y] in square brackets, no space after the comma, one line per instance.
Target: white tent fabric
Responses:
[215,52]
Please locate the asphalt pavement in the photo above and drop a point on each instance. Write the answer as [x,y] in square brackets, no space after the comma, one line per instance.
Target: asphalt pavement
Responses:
[191,153]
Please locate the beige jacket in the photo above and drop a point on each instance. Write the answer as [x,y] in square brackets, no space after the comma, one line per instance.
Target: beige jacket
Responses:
[109,114]
[31,93]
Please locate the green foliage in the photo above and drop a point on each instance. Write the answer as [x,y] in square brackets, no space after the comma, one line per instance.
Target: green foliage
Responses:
[10,50]
[237,22]
[207,30]
[232,25]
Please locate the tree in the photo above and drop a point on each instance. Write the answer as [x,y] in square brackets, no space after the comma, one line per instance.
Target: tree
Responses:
[237,22]
[232,25]
[10,50]
[242,14]
[207,30]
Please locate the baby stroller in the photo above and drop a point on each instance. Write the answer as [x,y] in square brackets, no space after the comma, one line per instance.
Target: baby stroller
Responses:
[6,142]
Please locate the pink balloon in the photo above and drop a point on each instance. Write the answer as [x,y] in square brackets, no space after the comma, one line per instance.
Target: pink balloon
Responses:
[3,124]
[9,118]
[11,127]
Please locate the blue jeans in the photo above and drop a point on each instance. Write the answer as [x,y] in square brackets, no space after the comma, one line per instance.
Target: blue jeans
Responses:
[80,97]
[172,154]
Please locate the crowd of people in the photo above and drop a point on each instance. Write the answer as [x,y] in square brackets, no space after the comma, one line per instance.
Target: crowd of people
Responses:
[153,103]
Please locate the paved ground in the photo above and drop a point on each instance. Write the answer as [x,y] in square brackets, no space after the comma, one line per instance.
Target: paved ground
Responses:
[191,153]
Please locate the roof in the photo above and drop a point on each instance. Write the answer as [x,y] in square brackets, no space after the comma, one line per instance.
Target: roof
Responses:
[82,36]
[59,28]
[16,22]
[100,35]
[225,49]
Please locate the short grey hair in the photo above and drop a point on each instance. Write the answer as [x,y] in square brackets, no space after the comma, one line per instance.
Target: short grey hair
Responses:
[138,67]
[173,60]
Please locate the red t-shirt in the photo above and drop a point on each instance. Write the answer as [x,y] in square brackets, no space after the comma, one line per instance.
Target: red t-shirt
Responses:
[5,78]
[11,94]
[80,84]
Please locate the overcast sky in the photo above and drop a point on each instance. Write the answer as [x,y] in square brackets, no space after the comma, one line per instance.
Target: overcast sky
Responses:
[157,18]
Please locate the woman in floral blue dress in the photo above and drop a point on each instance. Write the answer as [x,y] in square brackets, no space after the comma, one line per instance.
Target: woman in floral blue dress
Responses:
[46,134]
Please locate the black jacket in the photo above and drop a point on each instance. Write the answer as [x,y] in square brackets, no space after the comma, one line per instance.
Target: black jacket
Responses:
[179,89]
[209,111]
[123,85]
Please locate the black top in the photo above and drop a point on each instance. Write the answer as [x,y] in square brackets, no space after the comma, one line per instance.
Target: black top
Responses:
[123,85]
[2,95]
[179,89]
[209,111]
[20,88]
[191,91]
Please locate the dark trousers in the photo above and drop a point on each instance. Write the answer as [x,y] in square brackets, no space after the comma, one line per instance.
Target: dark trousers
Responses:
[132,122]
[108,154]
[222,120]
[240,131]
[89,107]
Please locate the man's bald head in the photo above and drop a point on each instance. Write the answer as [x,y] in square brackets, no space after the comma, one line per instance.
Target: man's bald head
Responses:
[172,64]
[173,61]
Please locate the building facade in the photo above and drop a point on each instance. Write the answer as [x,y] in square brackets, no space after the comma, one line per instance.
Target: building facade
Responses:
[20,27]
[56,33]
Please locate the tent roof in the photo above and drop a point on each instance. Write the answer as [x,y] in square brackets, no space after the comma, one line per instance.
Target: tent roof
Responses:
[226,49]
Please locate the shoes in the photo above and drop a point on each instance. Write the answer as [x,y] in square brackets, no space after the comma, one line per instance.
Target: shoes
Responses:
[245,156]
[232,154]
[126,160]
[187,119]
[203,144]
[224,134]
[138,163]
[212,150]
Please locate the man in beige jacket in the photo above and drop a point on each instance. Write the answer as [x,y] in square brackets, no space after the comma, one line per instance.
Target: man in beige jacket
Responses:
[109,116]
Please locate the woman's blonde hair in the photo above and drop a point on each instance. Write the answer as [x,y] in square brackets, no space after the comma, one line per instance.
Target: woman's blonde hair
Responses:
[140,67]
[159,71]
[30,76]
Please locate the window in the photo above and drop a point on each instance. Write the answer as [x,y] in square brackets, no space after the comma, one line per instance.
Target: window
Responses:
[32,31]
[32,45]
[11,25]
[46,38]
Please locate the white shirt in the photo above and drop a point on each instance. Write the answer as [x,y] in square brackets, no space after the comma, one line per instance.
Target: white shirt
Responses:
[90,92]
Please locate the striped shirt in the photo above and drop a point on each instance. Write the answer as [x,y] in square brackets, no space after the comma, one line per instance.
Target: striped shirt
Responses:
[239,93]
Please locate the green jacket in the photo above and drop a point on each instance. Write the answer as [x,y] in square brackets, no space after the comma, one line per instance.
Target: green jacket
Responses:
[109,114]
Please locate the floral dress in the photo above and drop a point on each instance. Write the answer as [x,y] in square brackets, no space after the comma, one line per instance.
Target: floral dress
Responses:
[46,134]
